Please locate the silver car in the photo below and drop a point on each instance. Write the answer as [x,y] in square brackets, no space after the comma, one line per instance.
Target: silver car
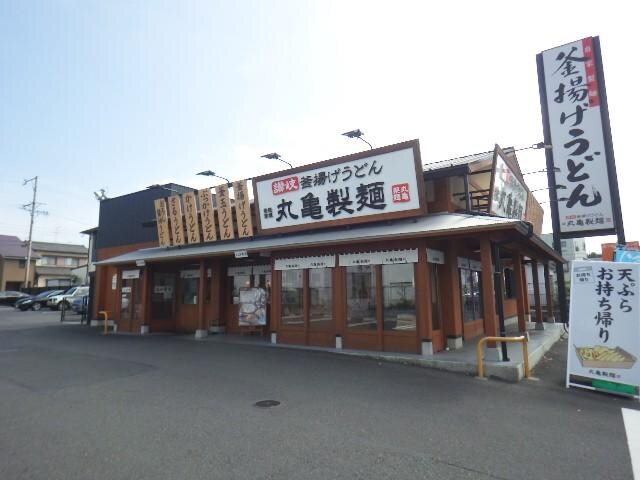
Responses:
[56,302]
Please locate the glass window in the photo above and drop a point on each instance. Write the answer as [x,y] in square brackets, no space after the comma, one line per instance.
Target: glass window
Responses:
[435,295]
[361,297]
[70,262]
[189,291]
[399,297]
[47,260]
[471,295]
[263,281]
[320,305]
[291,298]
[238,282]
[22,264]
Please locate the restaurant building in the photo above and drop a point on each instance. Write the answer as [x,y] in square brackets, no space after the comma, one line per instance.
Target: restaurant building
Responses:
[370,251]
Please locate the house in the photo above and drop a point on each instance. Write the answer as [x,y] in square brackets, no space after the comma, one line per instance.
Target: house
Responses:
[56,262]
[13,263]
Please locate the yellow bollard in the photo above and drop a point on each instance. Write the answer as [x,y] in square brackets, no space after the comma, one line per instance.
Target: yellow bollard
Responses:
[106,321]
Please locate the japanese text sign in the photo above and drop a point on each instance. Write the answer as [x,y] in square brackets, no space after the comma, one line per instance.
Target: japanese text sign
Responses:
[604,326]
[206,216]
[243,209]
[175,214]
[574,107]
[508,194]
[162,222]
[225,221]
[381,183]
[191,217]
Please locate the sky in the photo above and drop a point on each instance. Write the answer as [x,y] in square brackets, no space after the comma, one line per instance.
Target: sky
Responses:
[120,95]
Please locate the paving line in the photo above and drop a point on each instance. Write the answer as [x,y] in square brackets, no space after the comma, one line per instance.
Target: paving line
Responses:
[632,426]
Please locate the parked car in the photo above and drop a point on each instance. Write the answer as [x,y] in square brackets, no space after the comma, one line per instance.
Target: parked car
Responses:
[10,297]
[36,302]
[79,304]
[56,302]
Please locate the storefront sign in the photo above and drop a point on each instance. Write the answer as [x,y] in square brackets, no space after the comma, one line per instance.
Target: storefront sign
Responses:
[126,290]
[435,256]
[162,222]
[253,307]
[114,281]
[175,214]
[604,326]
[165,291]
[508,194]
[379,184]
[261,269]
[206,216]
[324,261]
[379,258]
[239,271]
[243,209]
[130,274]
[191,217]
[140,263]
[240,254]
[475,265]
[224,212]
[574,111]
[193,273]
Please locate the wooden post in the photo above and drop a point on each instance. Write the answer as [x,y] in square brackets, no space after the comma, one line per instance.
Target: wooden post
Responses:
[201,295]
[536,292]
[452,303]
[216,292]
[423,297]
[488,292]
[525,287]
[520,291]
[145,300]
[548,293]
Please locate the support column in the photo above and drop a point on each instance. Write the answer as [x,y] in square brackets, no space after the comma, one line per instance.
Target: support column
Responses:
[146,283]
[536,295]
[489,298]
[520,292]
[202,330]
[525,287]
[216,295]
[451,304]
[423,303]
[548,294]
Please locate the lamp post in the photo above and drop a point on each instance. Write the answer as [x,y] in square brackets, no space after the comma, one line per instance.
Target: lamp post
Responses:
[276,156]
[357,133]
[209,173]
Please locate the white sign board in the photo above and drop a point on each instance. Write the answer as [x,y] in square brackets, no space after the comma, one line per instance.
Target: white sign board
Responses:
[508,194]
[324,261]
[379,258]
[253,307]
[130,274]
[350,190]
[575,126]
[435,256]
[604,322]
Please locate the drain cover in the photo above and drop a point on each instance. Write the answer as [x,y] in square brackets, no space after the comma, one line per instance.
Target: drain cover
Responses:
[266,403]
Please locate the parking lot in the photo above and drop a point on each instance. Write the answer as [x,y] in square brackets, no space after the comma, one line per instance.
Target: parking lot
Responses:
[75,404]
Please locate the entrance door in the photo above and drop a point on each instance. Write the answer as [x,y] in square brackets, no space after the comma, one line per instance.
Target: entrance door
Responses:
[130,305]
[163,294]
[187,300]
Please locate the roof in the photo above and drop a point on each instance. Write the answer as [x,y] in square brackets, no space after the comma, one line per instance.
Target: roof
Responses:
[89,231]
[12,247]
[430,225]
[466,160]
[60,248]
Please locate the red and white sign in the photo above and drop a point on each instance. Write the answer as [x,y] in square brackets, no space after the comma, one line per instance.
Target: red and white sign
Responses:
[285,185]
[400,193]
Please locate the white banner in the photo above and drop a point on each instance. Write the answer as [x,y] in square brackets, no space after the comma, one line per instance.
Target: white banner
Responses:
[604,325]
[261,269]
[575,124]
[475,265]
[239,271]
[379,258]
[129,274]
[463,262]
[324,261]
[435,256]
[195,273]
[380,184]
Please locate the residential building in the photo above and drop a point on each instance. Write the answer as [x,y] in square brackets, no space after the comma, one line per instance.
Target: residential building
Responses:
[56,262]
[13,263]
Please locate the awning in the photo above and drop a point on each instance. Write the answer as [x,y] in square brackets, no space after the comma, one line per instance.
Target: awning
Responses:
[422,227]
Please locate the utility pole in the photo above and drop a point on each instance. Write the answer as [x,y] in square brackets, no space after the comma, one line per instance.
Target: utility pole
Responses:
[32,208]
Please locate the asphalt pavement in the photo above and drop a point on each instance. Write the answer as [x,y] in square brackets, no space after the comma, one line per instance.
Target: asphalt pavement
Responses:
[75,404]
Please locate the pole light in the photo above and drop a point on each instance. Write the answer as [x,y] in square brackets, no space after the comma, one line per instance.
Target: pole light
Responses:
[209,173]
[276,156]
[357,133]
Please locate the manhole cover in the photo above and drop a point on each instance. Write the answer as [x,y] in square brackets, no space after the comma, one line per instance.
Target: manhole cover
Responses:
[267,403]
